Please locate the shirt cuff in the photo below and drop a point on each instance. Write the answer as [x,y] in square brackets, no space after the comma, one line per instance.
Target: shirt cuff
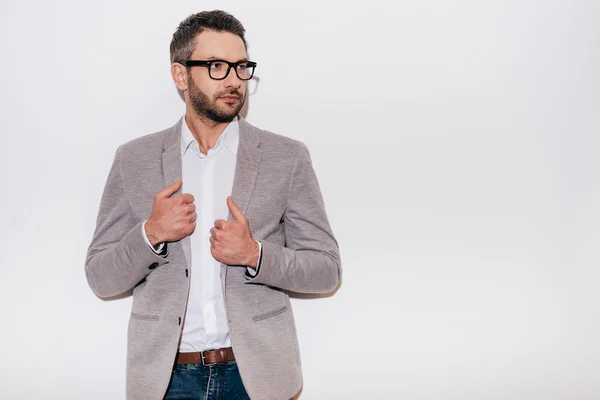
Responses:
[254,271]
[160,250]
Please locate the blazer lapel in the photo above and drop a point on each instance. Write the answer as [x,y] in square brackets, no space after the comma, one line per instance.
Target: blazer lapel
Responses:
[246,169]
[171,163]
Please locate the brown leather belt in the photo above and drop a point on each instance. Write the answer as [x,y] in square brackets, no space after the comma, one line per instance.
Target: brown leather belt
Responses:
[207,357]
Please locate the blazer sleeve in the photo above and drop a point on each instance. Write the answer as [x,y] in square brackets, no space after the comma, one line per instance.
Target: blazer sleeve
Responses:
[310,260]
[118,256]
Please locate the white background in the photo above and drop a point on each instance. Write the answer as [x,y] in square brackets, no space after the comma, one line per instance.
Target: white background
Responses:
[456,144]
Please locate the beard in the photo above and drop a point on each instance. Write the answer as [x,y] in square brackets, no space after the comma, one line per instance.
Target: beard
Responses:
[206,107]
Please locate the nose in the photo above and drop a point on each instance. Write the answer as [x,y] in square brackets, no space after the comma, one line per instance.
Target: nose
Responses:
[232,80]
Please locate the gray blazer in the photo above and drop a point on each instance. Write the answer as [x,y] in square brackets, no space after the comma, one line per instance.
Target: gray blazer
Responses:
[276,188]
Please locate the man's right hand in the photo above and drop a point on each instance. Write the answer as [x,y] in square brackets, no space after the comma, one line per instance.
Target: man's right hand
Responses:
[173,218]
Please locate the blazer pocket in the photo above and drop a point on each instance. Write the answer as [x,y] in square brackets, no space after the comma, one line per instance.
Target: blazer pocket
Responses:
[144,317]
[270,314]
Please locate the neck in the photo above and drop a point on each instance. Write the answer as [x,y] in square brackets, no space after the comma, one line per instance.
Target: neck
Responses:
[205,131]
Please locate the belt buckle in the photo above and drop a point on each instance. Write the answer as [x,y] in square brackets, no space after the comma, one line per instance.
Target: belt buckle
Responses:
[202,358]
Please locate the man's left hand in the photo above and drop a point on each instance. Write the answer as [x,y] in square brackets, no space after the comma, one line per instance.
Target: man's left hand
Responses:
[231,243]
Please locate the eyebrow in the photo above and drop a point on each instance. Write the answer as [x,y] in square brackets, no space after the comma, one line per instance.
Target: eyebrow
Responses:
[221,58]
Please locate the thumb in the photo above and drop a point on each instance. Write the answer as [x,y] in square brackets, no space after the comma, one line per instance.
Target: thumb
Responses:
[236,213]
[171,189]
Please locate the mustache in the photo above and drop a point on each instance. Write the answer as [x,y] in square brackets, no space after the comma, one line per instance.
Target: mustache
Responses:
[233,92]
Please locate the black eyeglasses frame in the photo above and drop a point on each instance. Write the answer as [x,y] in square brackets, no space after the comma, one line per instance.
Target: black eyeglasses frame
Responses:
[234,65]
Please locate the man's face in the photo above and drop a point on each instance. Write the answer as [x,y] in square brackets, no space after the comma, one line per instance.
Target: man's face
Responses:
[218,100]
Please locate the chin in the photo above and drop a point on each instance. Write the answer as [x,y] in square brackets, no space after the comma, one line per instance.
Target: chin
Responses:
[230,112]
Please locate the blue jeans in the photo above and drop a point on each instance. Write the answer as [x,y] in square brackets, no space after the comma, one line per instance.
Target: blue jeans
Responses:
[211,382]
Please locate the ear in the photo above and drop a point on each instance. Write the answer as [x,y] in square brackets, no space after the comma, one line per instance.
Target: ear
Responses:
[179,75]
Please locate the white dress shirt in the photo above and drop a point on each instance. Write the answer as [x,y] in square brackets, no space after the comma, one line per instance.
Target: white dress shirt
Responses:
[209,178]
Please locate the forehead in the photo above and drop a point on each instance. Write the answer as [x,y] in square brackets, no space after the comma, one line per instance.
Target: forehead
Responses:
[223,45]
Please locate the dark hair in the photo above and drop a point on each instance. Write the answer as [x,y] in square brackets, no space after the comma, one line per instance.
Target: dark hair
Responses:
[182,44]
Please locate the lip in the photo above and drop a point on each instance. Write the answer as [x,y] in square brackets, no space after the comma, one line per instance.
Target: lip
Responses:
[229,98]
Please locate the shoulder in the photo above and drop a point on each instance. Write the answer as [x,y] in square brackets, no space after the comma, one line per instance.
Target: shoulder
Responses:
[276,143]
[148,146]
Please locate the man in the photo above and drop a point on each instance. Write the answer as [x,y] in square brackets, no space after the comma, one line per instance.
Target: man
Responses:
[212,222]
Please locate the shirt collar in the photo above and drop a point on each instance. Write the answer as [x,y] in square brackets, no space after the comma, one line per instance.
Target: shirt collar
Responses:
[229,138]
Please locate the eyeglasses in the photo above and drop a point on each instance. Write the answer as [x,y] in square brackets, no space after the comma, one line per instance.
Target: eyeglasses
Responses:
[219,69]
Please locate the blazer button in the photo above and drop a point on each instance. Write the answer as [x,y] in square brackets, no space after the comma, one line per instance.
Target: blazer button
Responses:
[186,273]
[153,265]
[179,320]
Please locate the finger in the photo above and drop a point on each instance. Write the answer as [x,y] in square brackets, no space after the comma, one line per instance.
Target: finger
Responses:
[193,217]
[236,213]
[191,207]
[213,252]
[170,190]
[187,198]
[221,224]
[213,233]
